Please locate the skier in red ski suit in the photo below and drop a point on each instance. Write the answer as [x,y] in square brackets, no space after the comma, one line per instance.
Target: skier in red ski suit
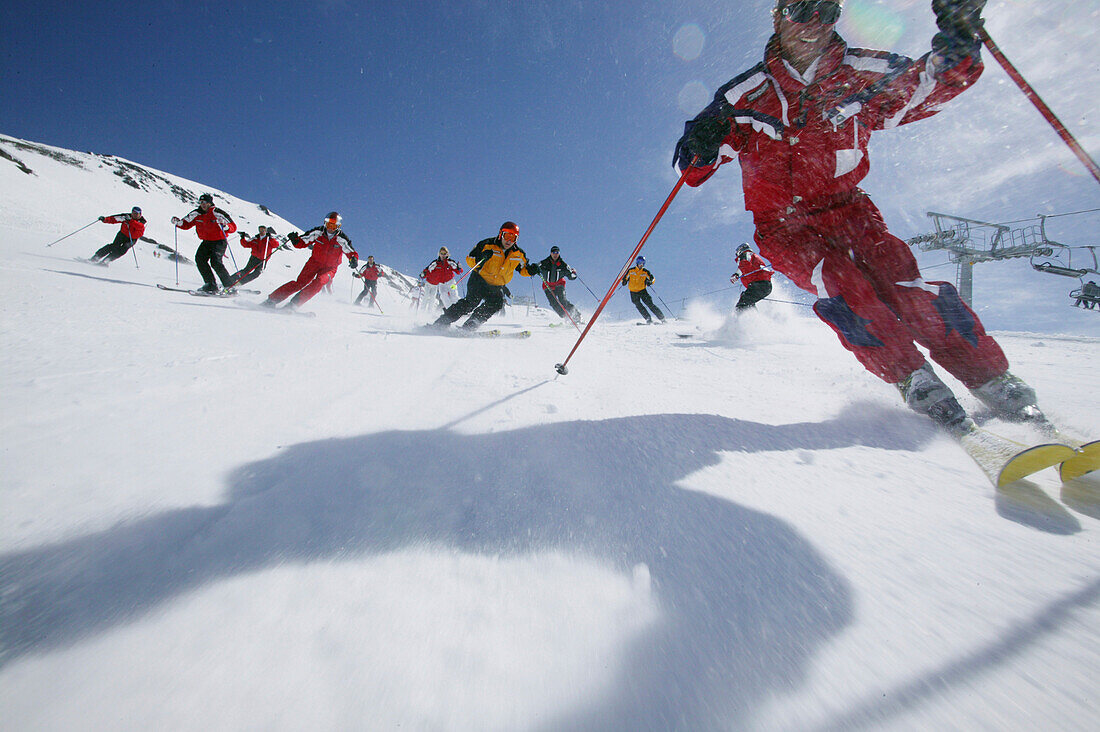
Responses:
[133,226]
[262,247]
[799,123]
[440,278]
[370,274]
[755,274]
[212,225]
[330,244]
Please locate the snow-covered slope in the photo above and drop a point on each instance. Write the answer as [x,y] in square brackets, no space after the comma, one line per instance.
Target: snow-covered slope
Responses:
[50,192]
[220,518]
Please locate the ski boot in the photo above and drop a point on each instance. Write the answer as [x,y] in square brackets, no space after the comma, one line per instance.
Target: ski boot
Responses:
[1010,398]
[209,289]
[925,393]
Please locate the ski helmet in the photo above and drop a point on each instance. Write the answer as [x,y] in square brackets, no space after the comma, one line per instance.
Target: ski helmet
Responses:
[640,261]
[742,249]
[333,221]
[136,210]
[554,250]
[206,197]
[509,232]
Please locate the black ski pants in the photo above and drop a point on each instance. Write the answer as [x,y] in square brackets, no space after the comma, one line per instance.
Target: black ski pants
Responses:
[114,250]
[556,297]
[208,258]
[483,299]
[370,287]
[251,271]
[642,297]
[754,293]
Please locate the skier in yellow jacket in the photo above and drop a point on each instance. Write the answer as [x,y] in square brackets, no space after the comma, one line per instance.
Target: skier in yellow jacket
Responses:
[493,262]
[637,279]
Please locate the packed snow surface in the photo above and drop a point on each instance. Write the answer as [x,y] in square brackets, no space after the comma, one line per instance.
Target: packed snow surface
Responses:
[216,517]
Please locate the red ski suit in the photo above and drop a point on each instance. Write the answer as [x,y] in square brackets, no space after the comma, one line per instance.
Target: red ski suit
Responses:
[132,228]
[370,272]
[802,148]
[328,250]
[262,247]
[441,271]
[214,225]
[753,269]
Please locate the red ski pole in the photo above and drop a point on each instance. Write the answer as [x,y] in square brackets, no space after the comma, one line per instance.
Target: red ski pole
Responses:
[1040,104]
[561,367]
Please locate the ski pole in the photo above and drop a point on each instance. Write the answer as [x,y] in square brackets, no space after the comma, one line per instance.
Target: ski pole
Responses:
[176,240]
[232,258]
[1044,110]
[134,251]
[82,228]
[470,271]
[665,304]
[561,368]
[588,288]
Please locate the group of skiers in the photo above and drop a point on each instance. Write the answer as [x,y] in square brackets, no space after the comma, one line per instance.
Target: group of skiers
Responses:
[799,123]
[438,281]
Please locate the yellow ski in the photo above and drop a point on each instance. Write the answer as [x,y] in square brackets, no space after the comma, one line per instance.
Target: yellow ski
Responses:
[1086,460]
[1004,461]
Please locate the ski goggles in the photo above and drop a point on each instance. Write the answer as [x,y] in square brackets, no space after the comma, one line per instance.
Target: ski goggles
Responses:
[509,236]
[803,11]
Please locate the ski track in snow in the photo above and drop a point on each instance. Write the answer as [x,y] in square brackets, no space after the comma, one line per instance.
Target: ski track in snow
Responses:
[220,517]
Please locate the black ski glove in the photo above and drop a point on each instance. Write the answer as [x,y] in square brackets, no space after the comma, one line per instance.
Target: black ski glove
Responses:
[293,236]
[532,268]
[102,218]
[959,22]
[702,138]
[959,18]
[353,261]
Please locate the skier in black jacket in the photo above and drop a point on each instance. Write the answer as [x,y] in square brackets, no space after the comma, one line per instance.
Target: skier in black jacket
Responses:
[554,273]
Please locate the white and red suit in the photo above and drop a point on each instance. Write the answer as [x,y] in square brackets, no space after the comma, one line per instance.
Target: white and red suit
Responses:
[329,249]
[439,277]
[801,141]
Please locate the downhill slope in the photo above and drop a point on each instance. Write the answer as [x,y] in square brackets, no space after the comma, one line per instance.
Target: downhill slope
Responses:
[220,518]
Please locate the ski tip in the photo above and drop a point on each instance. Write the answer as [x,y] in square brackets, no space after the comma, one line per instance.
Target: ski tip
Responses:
[560,368]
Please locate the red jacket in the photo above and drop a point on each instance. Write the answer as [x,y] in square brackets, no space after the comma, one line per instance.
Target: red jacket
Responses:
[214,225]
[131,227]
[803,145]
[440,271]
[371,272]
[753,269]
[327,248]
[262,247]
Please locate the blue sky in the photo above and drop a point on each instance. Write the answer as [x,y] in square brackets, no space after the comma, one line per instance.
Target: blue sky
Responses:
[430,123]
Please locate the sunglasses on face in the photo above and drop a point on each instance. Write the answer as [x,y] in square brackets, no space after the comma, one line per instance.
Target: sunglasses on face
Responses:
[803,11]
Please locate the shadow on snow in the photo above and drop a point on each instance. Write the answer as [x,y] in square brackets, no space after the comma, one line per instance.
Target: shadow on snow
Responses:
[745,599]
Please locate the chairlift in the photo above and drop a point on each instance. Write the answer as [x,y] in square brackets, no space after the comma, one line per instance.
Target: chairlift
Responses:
[1061,263]
[1087,295]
